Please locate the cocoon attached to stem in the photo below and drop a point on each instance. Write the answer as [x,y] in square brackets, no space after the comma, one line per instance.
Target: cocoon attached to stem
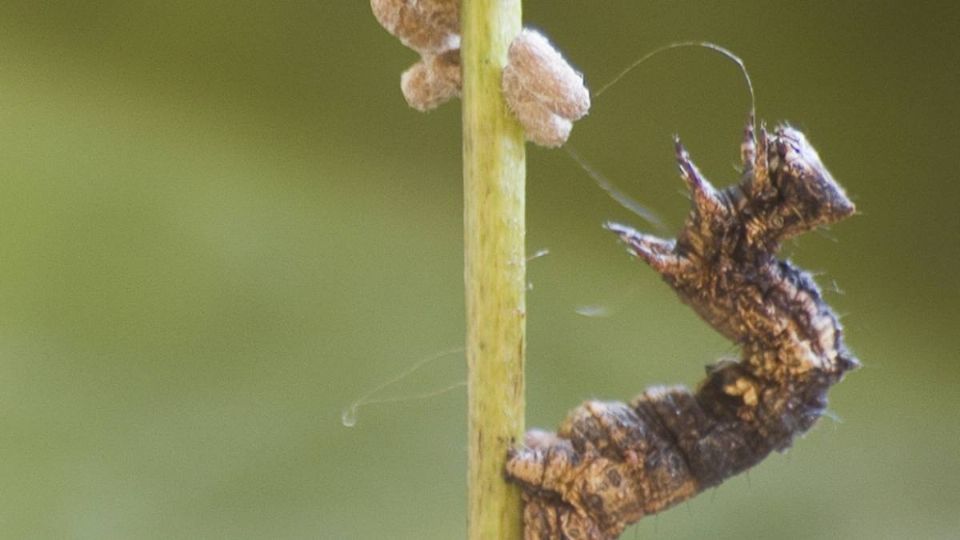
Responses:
[543,90]
[426,26]
[432,81]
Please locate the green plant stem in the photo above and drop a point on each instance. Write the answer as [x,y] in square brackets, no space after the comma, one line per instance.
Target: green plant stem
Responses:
[495,267]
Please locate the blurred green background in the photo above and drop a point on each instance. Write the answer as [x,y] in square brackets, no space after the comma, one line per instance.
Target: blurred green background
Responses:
[220,224]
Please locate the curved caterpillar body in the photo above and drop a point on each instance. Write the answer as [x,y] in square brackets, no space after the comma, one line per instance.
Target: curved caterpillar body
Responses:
[610,464]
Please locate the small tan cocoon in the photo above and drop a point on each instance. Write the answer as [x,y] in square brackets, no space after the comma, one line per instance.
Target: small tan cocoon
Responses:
[432,81]
[543,90]
[426,26]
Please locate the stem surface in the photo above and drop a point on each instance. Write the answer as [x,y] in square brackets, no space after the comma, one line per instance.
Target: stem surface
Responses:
[495,267]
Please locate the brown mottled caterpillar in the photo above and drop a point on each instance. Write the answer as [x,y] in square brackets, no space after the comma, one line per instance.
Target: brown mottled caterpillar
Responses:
[610,464]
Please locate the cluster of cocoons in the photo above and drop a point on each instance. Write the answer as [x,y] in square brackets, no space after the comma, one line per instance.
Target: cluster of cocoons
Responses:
[541,89]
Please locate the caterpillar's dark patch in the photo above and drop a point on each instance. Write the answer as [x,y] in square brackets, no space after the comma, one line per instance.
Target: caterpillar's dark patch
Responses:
[609,464]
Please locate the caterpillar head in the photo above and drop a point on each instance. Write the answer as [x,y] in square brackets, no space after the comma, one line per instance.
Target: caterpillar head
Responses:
[807,195]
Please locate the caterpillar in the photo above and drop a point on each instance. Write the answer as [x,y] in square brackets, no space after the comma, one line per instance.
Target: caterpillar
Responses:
[611,463]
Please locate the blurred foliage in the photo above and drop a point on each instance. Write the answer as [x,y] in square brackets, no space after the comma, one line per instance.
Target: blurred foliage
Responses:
[219,224]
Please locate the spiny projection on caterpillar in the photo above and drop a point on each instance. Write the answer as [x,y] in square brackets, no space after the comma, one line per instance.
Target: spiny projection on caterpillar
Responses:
[609,463]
